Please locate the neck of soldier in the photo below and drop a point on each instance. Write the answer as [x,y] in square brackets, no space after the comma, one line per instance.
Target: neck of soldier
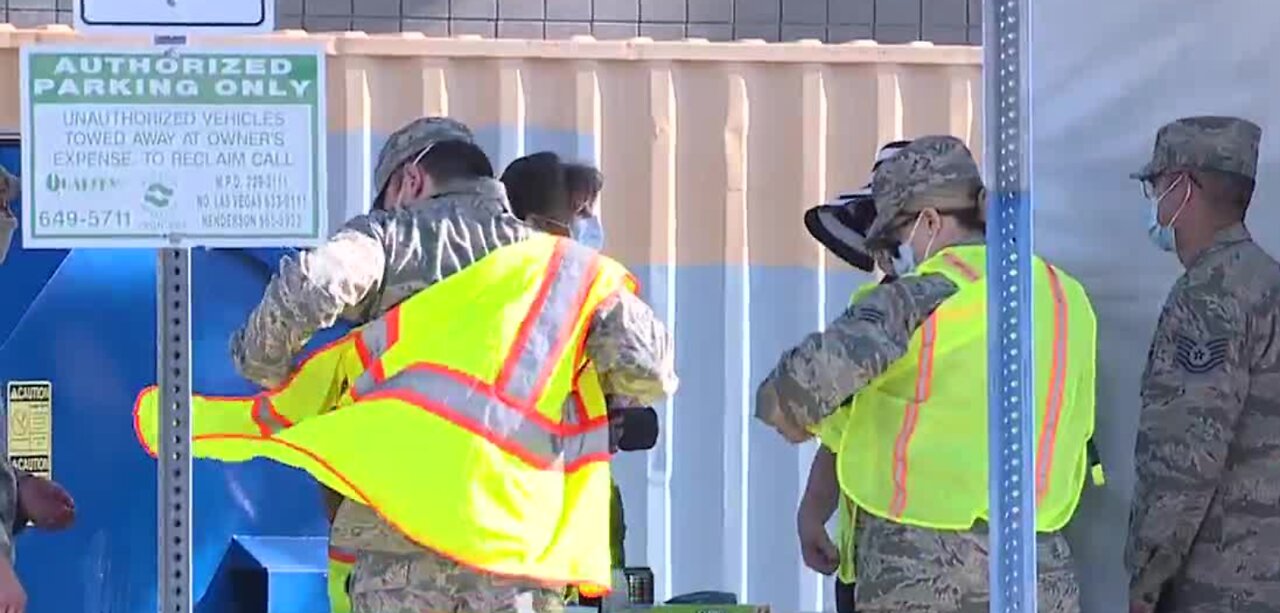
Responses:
[959,236]
[1200,230]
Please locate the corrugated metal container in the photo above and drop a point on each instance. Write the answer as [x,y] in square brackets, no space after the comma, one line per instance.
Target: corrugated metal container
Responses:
[711,153]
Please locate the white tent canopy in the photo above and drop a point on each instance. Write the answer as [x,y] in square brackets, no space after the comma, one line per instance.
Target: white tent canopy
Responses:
[1105,75]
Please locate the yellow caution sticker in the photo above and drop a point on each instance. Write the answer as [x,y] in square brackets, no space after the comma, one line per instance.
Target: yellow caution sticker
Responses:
[30,426]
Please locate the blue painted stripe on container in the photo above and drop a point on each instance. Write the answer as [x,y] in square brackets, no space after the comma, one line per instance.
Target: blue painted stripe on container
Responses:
[699,476]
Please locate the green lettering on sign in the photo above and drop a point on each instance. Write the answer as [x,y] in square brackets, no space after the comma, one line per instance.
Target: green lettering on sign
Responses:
[206,78]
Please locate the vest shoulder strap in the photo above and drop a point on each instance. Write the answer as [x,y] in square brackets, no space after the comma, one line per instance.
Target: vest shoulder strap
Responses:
[962,265]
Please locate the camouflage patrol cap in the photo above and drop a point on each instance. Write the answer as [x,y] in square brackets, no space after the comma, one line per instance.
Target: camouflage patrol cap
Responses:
[1224,144]
[927,163]
[412,139]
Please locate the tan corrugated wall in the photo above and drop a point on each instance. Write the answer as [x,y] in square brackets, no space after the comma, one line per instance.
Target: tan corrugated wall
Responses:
[711,152]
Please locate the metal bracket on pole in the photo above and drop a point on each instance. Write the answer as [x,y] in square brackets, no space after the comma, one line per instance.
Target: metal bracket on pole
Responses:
[1011,383]
[173,365]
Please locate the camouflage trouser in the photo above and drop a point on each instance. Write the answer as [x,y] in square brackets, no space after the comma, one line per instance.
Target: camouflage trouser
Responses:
[428,583]
[903,569]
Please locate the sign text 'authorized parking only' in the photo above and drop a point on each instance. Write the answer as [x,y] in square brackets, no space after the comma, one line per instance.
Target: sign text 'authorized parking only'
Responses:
[143,148]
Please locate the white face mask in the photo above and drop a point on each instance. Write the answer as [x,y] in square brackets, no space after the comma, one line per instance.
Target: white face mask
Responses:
[905,262]
[589,232]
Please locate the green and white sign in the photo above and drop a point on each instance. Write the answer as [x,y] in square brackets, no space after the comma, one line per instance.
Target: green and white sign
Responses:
[214,147]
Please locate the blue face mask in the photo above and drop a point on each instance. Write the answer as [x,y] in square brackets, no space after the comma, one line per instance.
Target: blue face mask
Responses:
[904,262]
[589,232]
[1163,237]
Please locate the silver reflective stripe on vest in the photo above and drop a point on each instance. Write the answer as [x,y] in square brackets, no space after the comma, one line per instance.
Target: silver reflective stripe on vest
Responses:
[588,443]
[266,417]
[471,406]
[549,325]
[375,337]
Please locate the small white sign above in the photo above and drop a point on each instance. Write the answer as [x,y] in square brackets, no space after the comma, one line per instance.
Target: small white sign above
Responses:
[171,17]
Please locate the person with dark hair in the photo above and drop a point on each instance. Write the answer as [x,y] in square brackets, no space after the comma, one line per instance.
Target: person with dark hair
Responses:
[841,227]
[526,497]
[1202,528]
[556,197]
[443,163]
[911,447]
[560,198]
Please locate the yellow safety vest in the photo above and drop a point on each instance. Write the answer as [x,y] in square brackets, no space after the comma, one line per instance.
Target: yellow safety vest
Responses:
[914,446]
[846,520]
[830,432]
[475,390]
[340,563]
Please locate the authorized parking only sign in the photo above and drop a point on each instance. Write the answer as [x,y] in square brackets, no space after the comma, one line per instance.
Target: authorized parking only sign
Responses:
[148,148]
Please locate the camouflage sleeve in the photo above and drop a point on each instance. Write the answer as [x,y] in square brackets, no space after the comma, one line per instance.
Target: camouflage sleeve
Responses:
[632,351]
[826,368]
[1193,391]
[308,293]
[8,508]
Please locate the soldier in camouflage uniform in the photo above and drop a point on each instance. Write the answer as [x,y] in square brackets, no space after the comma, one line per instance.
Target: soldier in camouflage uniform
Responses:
[841,227]
[420,232]
[930,191]
[1204,532]
[23,497]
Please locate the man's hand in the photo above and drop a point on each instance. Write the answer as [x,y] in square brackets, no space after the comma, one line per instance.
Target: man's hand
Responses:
[819,553]
[769,410]
[45,503]
[13,599]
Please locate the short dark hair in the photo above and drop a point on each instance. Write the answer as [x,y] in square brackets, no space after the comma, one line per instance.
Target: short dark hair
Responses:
[973,218]
[1231,190]
[455,159]
[536,185]
[443,162]
[582,181]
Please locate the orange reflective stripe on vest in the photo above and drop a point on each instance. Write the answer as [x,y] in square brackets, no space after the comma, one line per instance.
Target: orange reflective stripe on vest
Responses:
[961,266]
[342,555]
[547,329]
[474,406]
[913,446]
[483,373]
[265,415]
[374,339]
[924,376]
[1057,380]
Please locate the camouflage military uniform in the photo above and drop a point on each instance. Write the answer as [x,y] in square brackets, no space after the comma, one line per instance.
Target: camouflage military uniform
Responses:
[901,568]
[1205,525]
[9,188]
[9,510]
[373,263]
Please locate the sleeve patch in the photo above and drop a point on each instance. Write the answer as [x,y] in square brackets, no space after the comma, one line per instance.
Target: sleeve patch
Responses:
[1198,357]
